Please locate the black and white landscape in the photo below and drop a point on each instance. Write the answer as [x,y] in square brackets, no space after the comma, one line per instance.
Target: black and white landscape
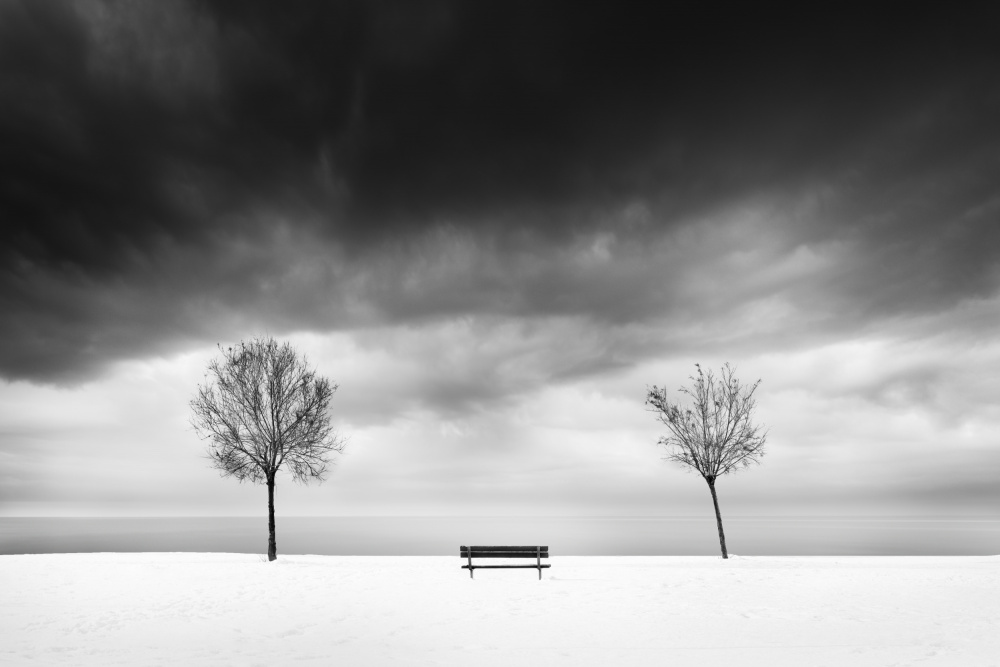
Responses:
[495,226]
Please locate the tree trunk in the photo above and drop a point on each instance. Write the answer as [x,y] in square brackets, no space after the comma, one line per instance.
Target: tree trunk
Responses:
[272,545]
[718,517]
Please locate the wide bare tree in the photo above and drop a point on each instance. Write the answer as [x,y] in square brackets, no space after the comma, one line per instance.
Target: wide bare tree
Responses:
[262,407]
[712,430]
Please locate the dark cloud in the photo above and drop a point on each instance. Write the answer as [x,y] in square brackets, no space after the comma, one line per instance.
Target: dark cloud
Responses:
[183,171]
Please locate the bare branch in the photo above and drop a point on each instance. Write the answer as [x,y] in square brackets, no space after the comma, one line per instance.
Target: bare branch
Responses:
[715,434]
[262,407]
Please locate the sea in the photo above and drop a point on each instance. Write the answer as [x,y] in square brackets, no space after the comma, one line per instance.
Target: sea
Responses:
[569,536]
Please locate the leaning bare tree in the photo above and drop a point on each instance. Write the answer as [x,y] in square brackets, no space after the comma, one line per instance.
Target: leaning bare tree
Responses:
[715,435]
[262,408]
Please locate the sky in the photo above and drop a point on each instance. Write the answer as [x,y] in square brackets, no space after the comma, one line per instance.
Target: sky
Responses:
[494,225]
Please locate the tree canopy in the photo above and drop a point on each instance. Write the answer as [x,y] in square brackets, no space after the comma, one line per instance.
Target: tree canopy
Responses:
[262,408]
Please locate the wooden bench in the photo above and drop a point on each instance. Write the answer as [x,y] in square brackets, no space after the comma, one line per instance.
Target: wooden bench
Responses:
[538,553]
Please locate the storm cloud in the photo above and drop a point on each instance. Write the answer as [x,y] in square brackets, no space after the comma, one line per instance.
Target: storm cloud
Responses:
[333,164]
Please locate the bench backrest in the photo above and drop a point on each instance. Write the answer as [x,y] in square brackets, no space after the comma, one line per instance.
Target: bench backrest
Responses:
[504,552]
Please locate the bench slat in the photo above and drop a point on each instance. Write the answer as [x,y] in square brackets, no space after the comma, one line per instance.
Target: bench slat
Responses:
[505,567]
[482,548]
[507,554]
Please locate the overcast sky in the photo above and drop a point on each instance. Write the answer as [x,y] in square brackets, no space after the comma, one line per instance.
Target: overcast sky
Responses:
[494,224]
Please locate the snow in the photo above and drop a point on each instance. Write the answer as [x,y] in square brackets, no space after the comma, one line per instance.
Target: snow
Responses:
[237,609]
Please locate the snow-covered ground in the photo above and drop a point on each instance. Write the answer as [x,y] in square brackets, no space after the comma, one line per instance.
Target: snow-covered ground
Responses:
[237,609]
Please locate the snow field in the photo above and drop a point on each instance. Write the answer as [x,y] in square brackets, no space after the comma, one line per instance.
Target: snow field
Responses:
[237,609]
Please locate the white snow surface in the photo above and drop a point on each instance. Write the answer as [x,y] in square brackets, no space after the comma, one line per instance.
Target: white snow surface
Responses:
[238,609]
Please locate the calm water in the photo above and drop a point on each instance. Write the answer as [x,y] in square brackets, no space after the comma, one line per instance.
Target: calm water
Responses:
[576,536]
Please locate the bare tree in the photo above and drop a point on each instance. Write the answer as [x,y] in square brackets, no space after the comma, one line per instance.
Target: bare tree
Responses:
[262,408]
[715,435]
